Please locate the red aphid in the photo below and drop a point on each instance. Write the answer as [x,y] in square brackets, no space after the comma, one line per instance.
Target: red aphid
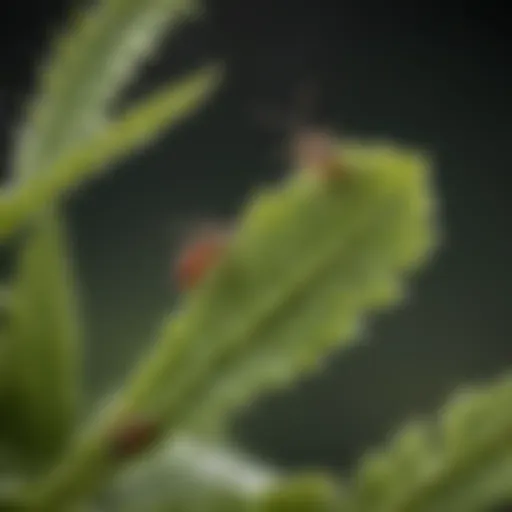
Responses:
[133,437]
[202,252]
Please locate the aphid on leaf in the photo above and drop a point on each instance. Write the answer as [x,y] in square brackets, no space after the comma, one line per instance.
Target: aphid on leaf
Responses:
[309,149]
[203,249]
[133,437]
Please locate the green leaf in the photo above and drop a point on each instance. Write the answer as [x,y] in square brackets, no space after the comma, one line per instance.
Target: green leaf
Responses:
[305,492]
[87,70]
[11,453]
[4,339]
[83,78]
[46,348]
[462,462]
[136,128]
[310,259]
[308,263]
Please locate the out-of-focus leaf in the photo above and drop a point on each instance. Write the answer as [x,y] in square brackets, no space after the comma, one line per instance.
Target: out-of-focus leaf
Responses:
[137,127]
[6,366]
[4,340]
[189,475]
[305,492]
[186,474]
[462,462]
[81,81]
[46,349]
[87,70]
[309,260]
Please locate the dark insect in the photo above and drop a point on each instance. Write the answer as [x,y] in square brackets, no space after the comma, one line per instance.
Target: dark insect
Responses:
[308,148]
[133,437]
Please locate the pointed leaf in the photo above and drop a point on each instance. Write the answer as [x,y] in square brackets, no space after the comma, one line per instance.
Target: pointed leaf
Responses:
[46,347]
[89,67]
[84,76]
[136,128]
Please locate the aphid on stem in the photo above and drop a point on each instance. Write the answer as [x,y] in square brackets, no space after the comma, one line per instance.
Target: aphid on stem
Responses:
[132,437]
[309,148]
[203,249]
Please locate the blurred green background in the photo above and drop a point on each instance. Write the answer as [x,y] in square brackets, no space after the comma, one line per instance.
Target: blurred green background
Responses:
[434,77]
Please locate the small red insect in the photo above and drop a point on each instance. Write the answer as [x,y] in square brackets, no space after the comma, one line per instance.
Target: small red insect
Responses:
[201,253]
[133,437]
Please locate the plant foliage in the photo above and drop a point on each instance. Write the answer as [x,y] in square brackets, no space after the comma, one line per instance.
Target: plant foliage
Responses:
[310,259]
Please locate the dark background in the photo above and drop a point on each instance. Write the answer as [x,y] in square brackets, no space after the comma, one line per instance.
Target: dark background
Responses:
[433,75]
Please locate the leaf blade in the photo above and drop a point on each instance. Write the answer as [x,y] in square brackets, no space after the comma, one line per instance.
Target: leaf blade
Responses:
[139,125]
[460,461]
[318,260]
[46,352]
[88,69]
[288,238]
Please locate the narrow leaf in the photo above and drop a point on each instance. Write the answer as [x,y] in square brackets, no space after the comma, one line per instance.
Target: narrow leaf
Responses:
[81,82]
[87,70]
[136,128]
[46,349]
